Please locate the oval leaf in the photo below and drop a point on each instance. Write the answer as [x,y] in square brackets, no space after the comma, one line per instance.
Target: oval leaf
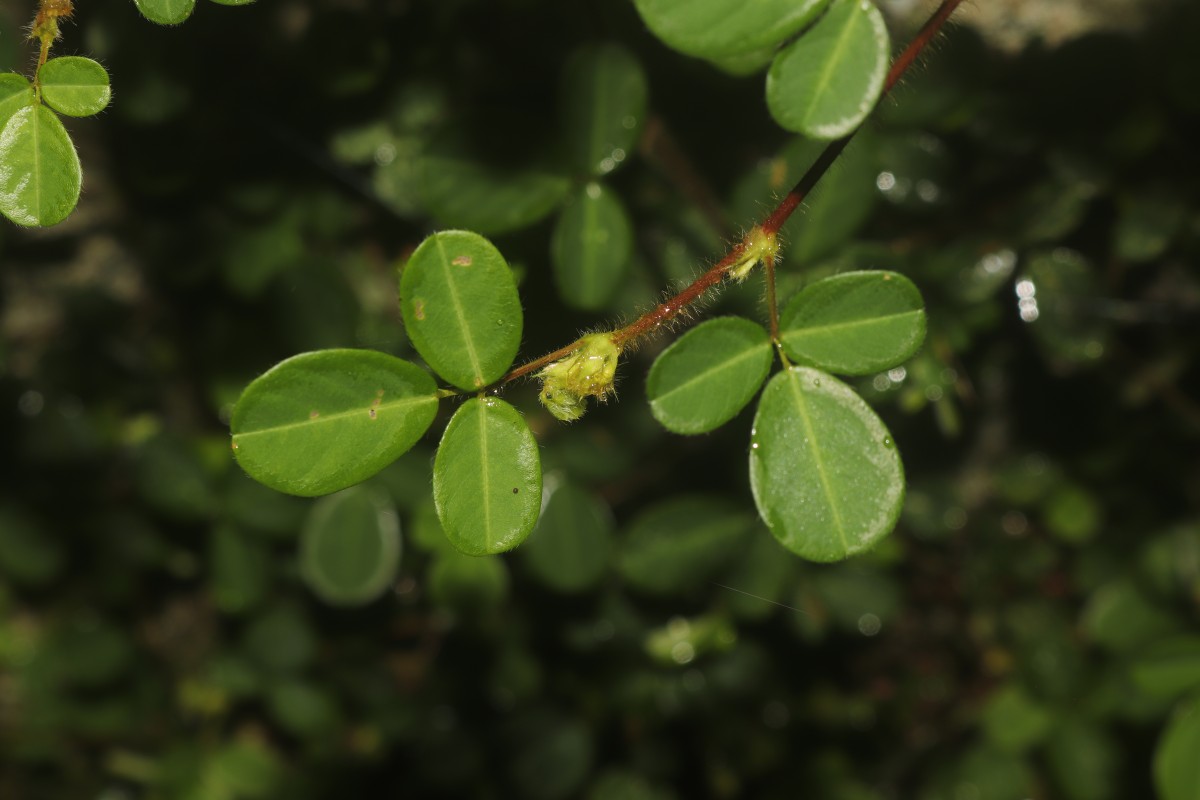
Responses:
[75,86]
[166,12]
[1176,767]
[1169,667]
[350,546]
[40,175]
[680,544]
[826,82]
[604,104]
[487,478]
[461,308]
[462,193]
[855,323]
[721,28]
[571,547]
[322,421]
[15,93]
[825,474]
[705,378]
[591,248]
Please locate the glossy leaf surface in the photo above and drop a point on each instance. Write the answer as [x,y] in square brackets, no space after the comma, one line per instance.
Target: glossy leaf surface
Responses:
[572,546]
[825,82]
[604,105]
[461,193]
[461,308]
[487,478]
[708,375]
[166,12]
[1176,767]
[591,247]
[825,474]
[322,421]
[680,544]
[40,176]
[75,86]
[855,323]
[350,546]
[720,28]
[15,93]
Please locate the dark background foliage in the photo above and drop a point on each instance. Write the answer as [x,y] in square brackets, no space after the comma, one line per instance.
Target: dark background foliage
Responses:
[250,195]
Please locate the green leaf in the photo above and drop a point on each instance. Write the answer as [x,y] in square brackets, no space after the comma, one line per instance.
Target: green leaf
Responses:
[15,93]
[350,546]
[1014,721]
[166,12]
[572,545]
[461,193]
[678,545]
[824,471]
[487,478]
[75,86]
[461,308]
[40,176]
[1084,759]
[591,248]
[855,323]
[1176,767]
[1168,668]
[706,377]
[1120,617]
[322,421]
[604,105]
[721,28]
[233,2]
[825,82]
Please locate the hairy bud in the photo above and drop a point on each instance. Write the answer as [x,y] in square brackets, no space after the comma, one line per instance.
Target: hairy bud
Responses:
[587,372]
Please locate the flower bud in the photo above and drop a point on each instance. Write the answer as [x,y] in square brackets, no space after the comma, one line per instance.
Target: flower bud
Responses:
[587,372]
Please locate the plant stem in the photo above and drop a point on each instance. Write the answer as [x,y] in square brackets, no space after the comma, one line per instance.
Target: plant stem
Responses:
[664,312]
[45,30]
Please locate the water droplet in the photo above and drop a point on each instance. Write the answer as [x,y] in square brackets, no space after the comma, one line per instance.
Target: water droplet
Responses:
[887,441]
[754,445]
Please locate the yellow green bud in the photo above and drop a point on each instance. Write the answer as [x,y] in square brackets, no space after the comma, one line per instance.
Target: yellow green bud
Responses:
[587,372]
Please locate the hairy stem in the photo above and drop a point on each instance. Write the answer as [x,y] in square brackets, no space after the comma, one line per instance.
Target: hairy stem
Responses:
[666,311]
[46,31]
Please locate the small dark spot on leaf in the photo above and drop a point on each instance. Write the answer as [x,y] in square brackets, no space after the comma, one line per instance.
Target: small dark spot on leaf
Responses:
[515,490]
[373,413]
[462,261]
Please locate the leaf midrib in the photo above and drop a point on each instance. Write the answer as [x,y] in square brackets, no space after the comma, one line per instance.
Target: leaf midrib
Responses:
[826,73]
[802,407]
[456,302]
[337,416]
[704,374]
[834,326]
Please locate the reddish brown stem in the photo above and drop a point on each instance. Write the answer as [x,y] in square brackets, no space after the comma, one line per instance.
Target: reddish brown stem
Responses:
[669,309]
